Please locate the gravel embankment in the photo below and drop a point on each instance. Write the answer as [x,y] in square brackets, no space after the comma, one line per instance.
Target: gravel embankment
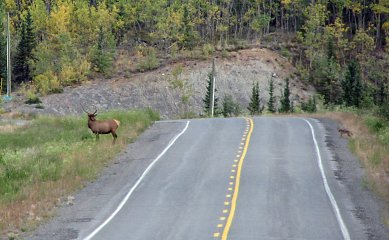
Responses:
[235,77]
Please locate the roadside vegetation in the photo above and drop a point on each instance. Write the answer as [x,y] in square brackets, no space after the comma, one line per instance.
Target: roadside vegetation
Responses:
[44,161]
[370,142]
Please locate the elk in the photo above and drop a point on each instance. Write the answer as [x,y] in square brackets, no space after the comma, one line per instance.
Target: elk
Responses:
[101,127]
[343,131]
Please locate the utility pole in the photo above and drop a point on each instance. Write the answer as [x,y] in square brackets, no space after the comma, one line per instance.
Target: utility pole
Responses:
[8,96]
[213,82]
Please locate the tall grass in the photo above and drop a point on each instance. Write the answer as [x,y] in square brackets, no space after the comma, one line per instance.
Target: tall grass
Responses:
[52,157]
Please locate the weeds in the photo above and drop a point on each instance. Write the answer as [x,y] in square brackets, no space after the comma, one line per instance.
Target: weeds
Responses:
[52,157]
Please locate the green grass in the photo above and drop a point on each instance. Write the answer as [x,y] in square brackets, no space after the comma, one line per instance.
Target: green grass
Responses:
[60,152]
[379,127]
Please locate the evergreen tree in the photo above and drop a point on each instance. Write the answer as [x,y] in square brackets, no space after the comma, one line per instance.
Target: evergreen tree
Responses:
[352,85]
[207,99]
[254,105]
[310,106]
[358,89]
[188,29]
[104,51]
[230,107]
[271,104]
[120,31]
[382,94]
[3,48]
[24,54]
[285,101]
[330,49]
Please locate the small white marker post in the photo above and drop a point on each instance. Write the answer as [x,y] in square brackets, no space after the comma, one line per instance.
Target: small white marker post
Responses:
[213,82]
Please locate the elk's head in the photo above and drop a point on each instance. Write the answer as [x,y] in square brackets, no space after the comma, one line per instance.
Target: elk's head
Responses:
[91,116]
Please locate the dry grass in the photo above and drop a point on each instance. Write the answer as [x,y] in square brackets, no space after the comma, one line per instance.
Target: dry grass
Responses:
[8,128]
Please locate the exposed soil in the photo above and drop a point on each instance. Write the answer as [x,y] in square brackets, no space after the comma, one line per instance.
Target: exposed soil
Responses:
[235,76]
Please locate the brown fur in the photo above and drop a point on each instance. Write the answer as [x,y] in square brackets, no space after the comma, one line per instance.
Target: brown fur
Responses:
[343,131]
[102,126]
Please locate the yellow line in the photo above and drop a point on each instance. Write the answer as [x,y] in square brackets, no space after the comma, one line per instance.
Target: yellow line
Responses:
[237,183]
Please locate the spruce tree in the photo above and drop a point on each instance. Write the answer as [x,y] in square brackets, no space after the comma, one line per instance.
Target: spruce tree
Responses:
[3,48]
[25,48]
[254,105]
[207,99]
[310,106]
[230,107]
[271,104]
[285,101]
[330,49]
[104,51]
[358,89]
[382,94]
[352,85]
[188,29]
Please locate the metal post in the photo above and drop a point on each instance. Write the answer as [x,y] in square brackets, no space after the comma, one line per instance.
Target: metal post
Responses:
[8,96]
[213,82]
[8,59]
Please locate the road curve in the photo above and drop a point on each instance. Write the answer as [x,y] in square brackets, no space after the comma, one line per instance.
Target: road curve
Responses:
[238,179]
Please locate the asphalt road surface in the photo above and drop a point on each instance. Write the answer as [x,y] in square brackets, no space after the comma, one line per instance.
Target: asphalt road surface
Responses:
[261,178]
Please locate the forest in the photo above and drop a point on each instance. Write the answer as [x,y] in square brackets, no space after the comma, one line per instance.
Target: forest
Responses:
[340,46]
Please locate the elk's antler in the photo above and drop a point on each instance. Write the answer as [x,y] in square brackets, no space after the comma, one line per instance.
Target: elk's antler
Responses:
[83,109]
[94,113]
[95,110]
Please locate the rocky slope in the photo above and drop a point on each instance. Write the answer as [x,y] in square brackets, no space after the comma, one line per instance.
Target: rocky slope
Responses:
[235,76]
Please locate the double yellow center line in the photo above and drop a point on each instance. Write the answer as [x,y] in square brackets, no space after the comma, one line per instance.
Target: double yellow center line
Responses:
[238,171]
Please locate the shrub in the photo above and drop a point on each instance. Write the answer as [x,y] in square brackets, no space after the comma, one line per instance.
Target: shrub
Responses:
[230,107]
[208,50]
[238,44]
[286,53]
[174,50]
[374,124]
[75,72]
[29,91]
[309,106]
[47,83]
[148,60]
[384,111]
[33,100]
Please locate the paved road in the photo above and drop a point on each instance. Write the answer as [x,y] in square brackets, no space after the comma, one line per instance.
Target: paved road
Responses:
[239,179]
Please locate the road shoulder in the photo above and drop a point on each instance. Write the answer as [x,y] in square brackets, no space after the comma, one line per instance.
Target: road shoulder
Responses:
[93,204]
[350,173]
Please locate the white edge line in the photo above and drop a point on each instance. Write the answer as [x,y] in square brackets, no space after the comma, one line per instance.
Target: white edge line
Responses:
[98,229]
[342,225]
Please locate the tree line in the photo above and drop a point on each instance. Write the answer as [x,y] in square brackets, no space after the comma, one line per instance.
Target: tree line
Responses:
[230,108]
[61,42]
